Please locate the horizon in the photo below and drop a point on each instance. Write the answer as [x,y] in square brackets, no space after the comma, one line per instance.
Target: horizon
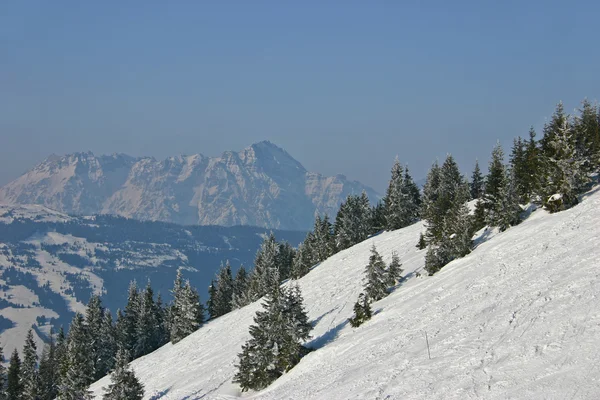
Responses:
[417,81]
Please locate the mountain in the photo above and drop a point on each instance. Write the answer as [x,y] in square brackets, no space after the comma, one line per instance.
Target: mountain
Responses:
[51,263]
[261,185]
[518,318]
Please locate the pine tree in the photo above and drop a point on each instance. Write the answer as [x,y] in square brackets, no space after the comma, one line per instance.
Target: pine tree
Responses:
[162,319]
[275,337]
[493,186]
[108,346]
[212,300]
[421,244]
[376,277]
[130,319]
[323,245]
[587,133]
[479,216]
[477,182]
[147,335]
[431,193]
[48,372]
[223,292]
[353,223]
[393,199]
[509,211]
[411,197]
[565,176]
[14,388]
[362,311]
[94,316]
[378,218]
[394,270]
[187,314]
[3,377]
[61,356]
[518,166]
[285,258]
[80,367]
[29,373]
[265,275]
[240,289]
[533,180]
[124,384]
[303,261]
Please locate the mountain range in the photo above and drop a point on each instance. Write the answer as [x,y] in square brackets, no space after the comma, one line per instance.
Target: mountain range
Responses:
[261,185]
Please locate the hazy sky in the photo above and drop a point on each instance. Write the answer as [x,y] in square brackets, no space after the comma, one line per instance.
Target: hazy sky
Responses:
[343,86]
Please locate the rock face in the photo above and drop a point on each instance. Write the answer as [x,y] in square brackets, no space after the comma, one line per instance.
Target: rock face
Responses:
[261,185]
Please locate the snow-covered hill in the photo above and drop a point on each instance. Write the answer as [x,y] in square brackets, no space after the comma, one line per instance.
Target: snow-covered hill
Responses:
[51,263]
[518,318]
[261,185]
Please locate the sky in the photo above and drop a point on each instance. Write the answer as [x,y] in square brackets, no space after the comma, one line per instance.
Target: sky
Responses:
[343,86]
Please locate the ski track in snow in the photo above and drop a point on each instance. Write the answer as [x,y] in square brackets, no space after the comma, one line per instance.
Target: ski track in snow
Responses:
[519,318]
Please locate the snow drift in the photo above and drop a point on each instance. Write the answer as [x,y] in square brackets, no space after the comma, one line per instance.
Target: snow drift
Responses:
[517,318]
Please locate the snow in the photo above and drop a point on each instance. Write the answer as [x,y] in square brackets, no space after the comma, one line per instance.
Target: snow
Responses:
[517,318]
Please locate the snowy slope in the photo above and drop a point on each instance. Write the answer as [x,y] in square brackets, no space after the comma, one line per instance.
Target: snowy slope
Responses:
[518,318]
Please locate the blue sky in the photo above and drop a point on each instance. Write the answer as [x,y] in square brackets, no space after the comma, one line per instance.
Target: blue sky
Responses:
[344,86]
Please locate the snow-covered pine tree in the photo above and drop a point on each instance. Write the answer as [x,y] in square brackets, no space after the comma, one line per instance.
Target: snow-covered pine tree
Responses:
[48,371]
[477,182]
[108,345]
[162,319]
[240,288]
[557,121]
[430,195]
[421,244]
[479,216]
[212,300]
[303,261]
[14,388]
[2,376]
[94,315]
[124,384]
[394,270]
[376,281]
[61,356]
[518,166]
[394,212]
[587,132]
[130,318]
[223,292]
[285,259]
[340,236]
[493,185]
[266,272]
[29,372]
[276,336]
[322,239]
[353,223]
[80,367]
[411,196]
[509,212]
[378,220]
[533,164]
[187,314]
[565,176]
[362,311]
[146,331]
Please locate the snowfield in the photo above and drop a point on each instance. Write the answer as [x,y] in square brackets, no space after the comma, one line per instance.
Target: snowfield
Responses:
[519,318]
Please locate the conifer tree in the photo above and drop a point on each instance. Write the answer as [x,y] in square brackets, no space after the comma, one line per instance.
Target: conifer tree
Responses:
[80,367]
[212,299]
[323,245]
[411,197]
[302,261]
[431,193]
[353,221]
[29,372]
[94,316]
[2,376]
[147,335]
[393,199]
[240,289]
[48,372]
[130,318]
[266,272]
[509,209]
[223,292]
[187,314]
[533,164]
[421,244]
[285,258]
[518,166]
[479,216]
[586,128]
[61,356]
[14,388]
[551,129]
[493,185]
[378,218]
[376,280]
[394,270]
[362,311]
[477,182]
[162,319]
[124,384]
[275,339]
[108,346]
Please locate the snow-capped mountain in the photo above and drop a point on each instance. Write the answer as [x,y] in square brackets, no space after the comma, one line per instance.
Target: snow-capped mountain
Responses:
[518,318]
[51,263]
[261,185]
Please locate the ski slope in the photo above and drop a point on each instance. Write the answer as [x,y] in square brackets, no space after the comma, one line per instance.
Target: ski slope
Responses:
[519,318]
